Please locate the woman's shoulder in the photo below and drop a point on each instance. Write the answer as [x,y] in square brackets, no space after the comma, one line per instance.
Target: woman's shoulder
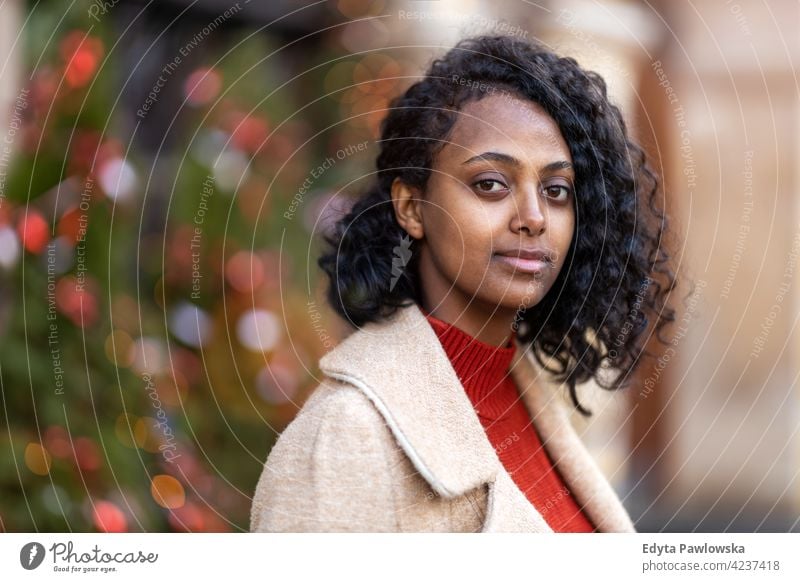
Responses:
[330,469]
[334,409]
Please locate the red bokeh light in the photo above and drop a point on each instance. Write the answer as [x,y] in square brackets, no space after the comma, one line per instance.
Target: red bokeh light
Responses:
[108,518]
[202,86]
[77,301]
[81,55]
[33,231]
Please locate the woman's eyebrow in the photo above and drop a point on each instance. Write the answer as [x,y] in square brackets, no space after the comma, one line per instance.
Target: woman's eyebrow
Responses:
[512,161]
[555,166]
[494,157]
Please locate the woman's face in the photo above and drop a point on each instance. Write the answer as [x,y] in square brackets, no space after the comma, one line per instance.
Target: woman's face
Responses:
[500,191]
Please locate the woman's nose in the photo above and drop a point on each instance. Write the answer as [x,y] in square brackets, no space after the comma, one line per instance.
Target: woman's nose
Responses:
[528,215]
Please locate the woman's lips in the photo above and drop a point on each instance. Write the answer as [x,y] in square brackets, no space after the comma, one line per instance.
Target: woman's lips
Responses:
[524,265]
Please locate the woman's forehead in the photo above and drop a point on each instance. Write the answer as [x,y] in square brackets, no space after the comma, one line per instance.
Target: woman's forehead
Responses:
[518,127]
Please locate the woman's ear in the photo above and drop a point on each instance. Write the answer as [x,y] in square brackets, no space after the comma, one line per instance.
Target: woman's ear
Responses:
[408,208]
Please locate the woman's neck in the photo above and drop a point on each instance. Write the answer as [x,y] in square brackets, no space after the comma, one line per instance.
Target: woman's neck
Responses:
[492,328]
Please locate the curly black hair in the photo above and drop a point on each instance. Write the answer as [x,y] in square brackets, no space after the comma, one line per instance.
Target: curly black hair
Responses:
[585,323]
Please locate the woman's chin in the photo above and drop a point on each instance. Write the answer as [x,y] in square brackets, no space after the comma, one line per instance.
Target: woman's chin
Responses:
[517,299]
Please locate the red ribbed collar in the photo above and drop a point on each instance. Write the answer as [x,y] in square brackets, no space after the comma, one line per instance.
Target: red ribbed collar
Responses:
[482,368]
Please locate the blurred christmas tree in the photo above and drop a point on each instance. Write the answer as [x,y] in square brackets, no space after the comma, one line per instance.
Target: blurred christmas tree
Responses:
[159,323]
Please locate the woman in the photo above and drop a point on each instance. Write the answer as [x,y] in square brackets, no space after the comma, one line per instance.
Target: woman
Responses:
[512,227]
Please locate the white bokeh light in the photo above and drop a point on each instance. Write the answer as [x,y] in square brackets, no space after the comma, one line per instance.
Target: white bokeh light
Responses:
[190,324]
[258,330]
[9,247]
[118,179]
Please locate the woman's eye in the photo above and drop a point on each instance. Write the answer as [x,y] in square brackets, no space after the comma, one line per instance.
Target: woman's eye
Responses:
[490,186]
[559,192]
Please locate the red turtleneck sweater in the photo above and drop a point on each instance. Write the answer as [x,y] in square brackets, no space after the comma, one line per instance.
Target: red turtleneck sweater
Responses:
[483,371]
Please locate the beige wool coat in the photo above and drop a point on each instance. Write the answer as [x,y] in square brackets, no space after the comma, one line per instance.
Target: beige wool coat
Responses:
[389,442]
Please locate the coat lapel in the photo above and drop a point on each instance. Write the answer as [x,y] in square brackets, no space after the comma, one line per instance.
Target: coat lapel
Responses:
[547,407]
[401,366]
